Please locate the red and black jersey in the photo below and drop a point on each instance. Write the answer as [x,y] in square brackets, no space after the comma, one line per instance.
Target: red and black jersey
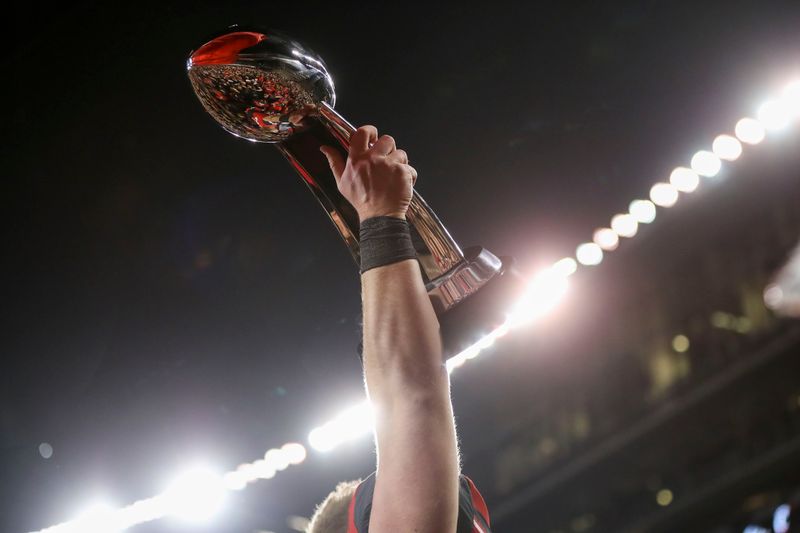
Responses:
[473,516]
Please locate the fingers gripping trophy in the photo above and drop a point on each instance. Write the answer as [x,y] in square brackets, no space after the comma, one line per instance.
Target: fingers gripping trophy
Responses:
[263,86]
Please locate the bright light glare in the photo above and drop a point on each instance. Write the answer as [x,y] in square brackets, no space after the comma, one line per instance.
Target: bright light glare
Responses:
[774,115]
[565,267]
[644,211]
[750,131]
[706,163]
[606,238]
[264,469]
[542,295]
[791,98]
[235,480]
[589,254]
[624,225]
[276,460]
[144,511]
[349,425]
[684,179]
[98,518]
[727,147]
[664,194]
[196,495]
[295,452]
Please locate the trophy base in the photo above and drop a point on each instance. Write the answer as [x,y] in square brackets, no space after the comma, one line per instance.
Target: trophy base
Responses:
[469,320]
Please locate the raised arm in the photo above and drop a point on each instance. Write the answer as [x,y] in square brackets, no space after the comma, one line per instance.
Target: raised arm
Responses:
[416,487]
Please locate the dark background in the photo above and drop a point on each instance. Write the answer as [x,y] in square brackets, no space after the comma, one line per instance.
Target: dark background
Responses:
[171,292]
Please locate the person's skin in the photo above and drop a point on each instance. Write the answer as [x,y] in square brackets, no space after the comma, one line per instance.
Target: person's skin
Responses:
[416,484]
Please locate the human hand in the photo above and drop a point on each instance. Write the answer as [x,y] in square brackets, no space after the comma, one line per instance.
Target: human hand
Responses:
[376,178]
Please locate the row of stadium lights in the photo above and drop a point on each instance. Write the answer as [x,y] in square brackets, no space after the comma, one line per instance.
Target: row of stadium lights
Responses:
[200,492]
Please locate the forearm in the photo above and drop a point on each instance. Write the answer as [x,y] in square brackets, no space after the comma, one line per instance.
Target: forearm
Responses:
[402,348]
[409,387]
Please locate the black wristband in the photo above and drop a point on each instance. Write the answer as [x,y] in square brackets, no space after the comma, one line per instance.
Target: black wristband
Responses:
[384,240]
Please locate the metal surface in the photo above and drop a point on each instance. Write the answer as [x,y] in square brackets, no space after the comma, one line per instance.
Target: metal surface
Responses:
[266,87]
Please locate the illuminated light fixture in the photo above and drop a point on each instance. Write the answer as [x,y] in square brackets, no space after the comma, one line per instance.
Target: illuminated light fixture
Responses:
[775,115]
[98,518]
[791,99]
[624,225]
[606,238]
[295,452]
[680,343]
[706,163]
[589,254]
[276,459]
[196,496]
[684,179]
[348,425]
[664,497]
[234,480]
[644,211]
[664,194]
[727,147]
[750,131]
[144,511]
[263,469]
[541,296]
[457,361]
[502,331]
[472,352]
[565,267]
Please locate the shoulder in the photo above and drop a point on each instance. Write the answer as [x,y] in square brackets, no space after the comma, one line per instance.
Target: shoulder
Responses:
[473,514]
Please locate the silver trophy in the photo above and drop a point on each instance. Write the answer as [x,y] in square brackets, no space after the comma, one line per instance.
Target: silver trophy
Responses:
[266,87]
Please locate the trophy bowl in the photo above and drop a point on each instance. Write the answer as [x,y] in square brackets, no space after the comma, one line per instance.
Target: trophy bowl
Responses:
[259,86]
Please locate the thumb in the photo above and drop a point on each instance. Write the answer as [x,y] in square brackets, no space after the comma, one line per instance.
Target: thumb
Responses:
[335,160]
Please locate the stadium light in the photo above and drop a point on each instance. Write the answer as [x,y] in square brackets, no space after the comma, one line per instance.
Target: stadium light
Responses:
[589,254]
[684,179]
[349,425]
[774,115]
[606,238]
[664,194]
[196,495]
[706,163]
[750,131]
[644,211]
[727,147]
[624,225]
[791,98]
[99,517]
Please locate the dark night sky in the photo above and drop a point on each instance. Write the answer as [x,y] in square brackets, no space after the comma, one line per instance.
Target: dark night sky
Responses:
[171,291]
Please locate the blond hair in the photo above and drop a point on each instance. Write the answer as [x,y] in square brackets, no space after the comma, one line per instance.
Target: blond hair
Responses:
[331,515]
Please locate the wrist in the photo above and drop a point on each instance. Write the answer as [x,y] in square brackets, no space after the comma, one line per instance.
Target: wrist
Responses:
[384,240]
[401,215]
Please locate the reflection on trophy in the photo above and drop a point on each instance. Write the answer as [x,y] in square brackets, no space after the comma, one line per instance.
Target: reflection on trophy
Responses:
[266,87]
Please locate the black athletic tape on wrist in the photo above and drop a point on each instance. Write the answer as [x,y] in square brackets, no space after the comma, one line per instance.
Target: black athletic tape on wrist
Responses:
[385,240]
